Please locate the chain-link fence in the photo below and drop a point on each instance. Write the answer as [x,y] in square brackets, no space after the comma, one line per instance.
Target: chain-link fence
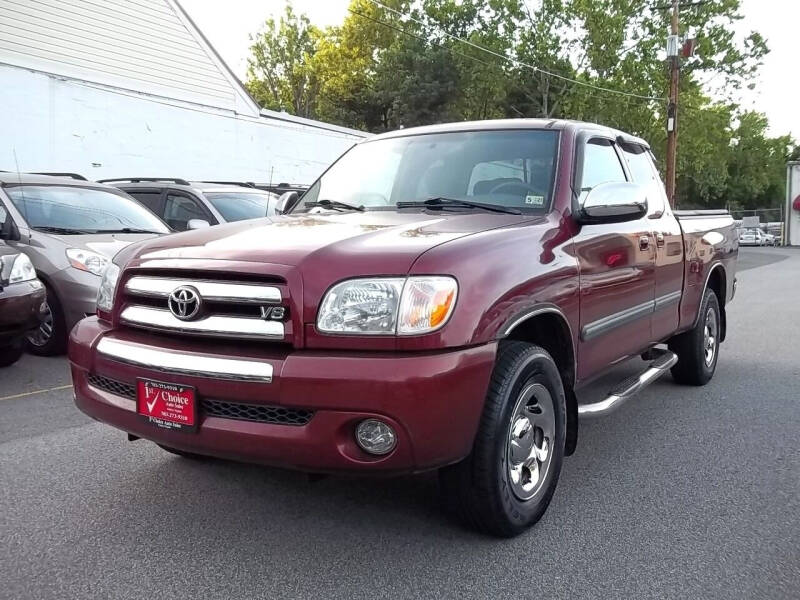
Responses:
[768,220]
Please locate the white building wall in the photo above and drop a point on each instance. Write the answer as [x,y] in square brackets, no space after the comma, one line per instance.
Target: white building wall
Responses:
[144,45]
[53,123]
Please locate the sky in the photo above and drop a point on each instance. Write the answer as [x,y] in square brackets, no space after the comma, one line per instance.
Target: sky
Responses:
[228,25]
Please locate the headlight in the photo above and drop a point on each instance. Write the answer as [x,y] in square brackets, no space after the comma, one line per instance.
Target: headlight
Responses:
[108,284]
[367,306]
[388,306]
[426,304]
[86,260]
[22,270]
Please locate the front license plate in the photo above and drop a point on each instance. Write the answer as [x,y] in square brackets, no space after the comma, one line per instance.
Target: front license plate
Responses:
[167,405]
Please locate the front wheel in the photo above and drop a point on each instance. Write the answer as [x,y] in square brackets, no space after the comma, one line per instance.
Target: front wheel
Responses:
[698,348]
[50,338]
[506,483]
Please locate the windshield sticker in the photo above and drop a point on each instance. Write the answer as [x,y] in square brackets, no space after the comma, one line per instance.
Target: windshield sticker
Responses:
[534,200]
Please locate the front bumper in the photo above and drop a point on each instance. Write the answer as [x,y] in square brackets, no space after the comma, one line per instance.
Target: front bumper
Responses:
[20,309]
[77,293]
[433,400]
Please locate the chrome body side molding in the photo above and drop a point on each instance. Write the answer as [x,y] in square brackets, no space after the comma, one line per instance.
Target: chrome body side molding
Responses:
[602,326]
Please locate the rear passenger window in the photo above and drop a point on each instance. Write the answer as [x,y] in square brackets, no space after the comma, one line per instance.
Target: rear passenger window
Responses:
[179,210]
[600,165]
[148,199]
[644,172]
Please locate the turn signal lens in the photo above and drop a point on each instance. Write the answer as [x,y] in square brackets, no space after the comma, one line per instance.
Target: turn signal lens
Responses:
[426,304]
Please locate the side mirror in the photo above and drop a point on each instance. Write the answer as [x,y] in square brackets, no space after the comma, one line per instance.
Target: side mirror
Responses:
[614,203]
[197,224]
[286,202]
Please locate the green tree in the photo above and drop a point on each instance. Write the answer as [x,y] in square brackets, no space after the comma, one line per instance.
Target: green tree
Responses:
[280,71]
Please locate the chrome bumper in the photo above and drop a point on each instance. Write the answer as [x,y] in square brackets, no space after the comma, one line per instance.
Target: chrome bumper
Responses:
[197,365]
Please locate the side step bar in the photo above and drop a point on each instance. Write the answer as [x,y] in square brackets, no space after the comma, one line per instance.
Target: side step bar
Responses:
[630,387]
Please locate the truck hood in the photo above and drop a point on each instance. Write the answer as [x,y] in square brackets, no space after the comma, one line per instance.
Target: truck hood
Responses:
[374,241]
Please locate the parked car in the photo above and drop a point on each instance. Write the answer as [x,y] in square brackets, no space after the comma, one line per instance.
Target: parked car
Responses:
[436,300]
[769,239]
[69,228]
[751,237]
[190,205]
[21,297]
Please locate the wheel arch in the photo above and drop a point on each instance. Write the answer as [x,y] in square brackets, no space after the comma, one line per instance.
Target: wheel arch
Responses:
[717,281]
[548,327]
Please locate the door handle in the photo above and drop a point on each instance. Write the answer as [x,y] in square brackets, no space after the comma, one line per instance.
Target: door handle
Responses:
[659,239]
[644,242]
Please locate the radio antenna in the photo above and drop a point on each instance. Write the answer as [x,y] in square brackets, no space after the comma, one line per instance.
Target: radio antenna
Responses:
[21,187]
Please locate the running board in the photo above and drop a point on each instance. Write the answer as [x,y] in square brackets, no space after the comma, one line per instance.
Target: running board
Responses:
[631,386]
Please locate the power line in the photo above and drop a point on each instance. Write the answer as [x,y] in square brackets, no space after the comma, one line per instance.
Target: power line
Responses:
[564,88]
[516,62]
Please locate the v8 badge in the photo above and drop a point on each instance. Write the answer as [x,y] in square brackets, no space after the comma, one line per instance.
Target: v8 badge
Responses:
[273,313]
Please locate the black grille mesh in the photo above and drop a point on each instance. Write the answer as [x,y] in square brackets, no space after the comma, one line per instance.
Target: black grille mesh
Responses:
[278,415]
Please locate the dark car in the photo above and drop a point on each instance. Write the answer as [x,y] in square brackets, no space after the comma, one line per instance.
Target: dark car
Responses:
[195,204]
[437,299]
[22,298]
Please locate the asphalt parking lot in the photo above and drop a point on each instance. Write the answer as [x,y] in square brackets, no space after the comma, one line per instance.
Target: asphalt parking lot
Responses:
[683,493]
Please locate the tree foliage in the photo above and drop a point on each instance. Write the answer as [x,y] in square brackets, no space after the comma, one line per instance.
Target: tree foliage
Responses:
[401,63]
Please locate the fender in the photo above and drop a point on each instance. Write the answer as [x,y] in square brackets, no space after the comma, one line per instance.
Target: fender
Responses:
[714,267]
[539,309]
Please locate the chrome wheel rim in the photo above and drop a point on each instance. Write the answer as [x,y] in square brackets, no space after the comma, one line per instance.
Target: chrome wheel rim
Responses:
[42,335]
[710,337]
[531,435]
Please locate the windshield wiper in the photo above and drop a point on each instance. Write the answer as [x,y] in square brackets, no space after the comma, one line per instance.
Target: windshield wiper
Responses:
[335,205]
[442,202]
[61,230]
[125,230]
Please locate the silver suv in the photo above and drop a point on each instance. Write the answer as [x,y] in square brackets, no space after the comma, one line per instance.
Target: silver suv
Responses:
[186,204]
[69,228]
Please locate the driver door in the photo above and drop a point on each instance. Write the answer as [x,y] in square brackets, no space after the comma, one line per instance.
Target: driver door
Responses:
[616,264]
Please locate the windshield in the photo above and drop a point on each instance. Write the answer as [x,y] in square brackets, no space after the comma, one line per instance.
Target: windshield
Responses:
[511,168]
[83,209]
[238,206]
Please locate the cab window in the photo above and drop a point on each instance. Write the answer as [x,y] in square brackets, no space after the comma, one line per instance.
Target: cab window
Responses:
[600,165]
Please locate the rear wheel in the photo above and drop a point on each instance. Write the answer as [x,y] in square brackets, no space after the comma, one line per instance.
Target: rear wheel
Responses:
[10,354]
[698,348]
[505,485]
[50,338]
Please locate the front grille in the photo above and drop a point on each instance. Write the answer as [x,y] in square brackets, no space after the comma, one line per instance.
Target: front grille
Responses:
[217,308]
[126,390]
[258,413]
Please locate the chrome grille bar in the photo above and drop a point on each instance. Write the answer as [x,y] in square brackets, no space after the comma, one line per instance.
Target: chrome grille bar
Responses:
[222,325]
[214,291]
[197,365]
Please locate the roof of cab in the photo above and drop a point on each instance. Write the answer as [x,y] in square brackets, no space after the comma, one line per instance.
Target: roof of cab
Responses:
[505,124]
[15,178]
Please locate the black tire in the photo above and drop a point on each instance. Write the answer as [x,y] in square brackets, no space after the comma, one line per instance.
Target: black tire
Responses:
[56,343]
[10,354]
[692,347]
[181,453]
[480,489]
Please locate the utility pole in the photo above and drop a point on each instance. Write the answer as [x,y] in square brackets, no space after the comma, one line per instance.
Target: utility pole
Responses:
[672,108]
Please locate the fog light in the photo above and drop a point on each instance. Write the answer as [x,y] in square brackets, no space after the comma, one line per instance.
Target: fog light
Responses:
[375,437]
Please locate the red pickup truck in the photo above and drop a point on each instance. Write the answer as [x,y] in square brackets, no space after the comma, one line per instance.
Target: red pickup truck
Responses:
[435,300]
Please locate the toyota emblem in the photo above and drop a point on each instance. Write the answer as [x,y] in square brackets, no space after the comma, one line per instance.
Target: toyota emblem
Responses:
[184,302]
